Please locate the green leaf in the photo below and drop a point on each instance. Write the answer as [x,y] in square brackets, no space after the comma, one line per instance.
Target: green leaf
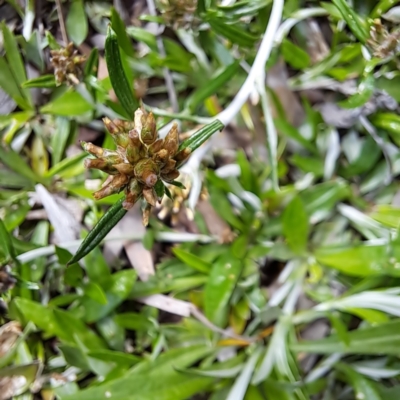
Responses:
[353,21]
[219,288]
[212,86]
[7,358]
[114,356]
[241,384]
[379,339]
[29,373]
[60,323]
[364,93]
[10,179]
[14,161]
[200,136]
[287,129]
[382,7]
[97,268]
[10,86]
[339,326]
[159,187]
[6,246]
[119,81]
[134,322]
[119,28]
[52,42]
[59,139]
[69,104]
[324,197]
[192,260]
[315,165]
[154,286]
[15,62]
[14,219]
[14,122]
[150,380]
[392,393]
[390,122]
[234,33]
[363,387]
[359,260]
[95,292]
[63,255]
[68,165]
[44,81]
[178,184]
[92,63]
[224,209]
[243,7]
[296,226]
[76,22]
[387,215]
[99,232]
[247,176]
[294,55]
[39,156]
[73,275]
[120,287]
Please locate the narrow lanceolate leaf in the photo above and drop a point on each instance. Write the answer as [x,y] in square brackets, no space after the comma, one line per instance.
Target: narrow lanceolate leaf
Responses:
[295,226]
[92,63]
[119,81]
[119,28]
[44,81]
[10,86]
[14,161]
[59,138]
[212,86]
[219,288]
[6,246]
[353,21]
[14,59]
[192,260]
[234,33]
[153,380]
[363,387]
[68,104]
[199,137]
[76,22]
[99,232]
[379,339]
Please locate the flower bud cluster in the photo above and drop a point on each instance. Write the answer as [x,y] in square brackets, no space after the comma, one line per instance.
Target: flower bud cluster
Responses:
[382,42]
[67,64]
[142,162]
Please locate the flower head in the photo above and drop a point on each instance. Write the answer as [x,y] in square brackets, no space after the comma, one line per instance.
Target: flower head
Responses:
[142,162]
[178,13]
[382,42]
[67,65]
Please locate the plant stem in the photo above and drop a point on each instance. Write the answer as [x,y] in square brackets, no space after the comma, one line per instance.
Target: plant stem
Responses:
[62,23]
[258,66]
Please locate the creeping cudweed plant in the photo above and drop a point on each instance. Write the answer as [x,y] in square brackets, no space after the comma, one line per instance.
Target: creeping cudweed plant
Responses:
[268,265]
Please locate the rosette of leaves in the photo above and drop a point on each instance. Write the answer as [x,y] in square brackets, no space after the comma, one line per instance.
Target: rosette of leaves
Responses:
[142,162]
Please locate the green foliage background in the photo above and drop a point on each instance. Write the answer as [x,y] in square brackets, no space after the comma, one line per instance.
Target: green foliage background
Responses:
[316,201]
